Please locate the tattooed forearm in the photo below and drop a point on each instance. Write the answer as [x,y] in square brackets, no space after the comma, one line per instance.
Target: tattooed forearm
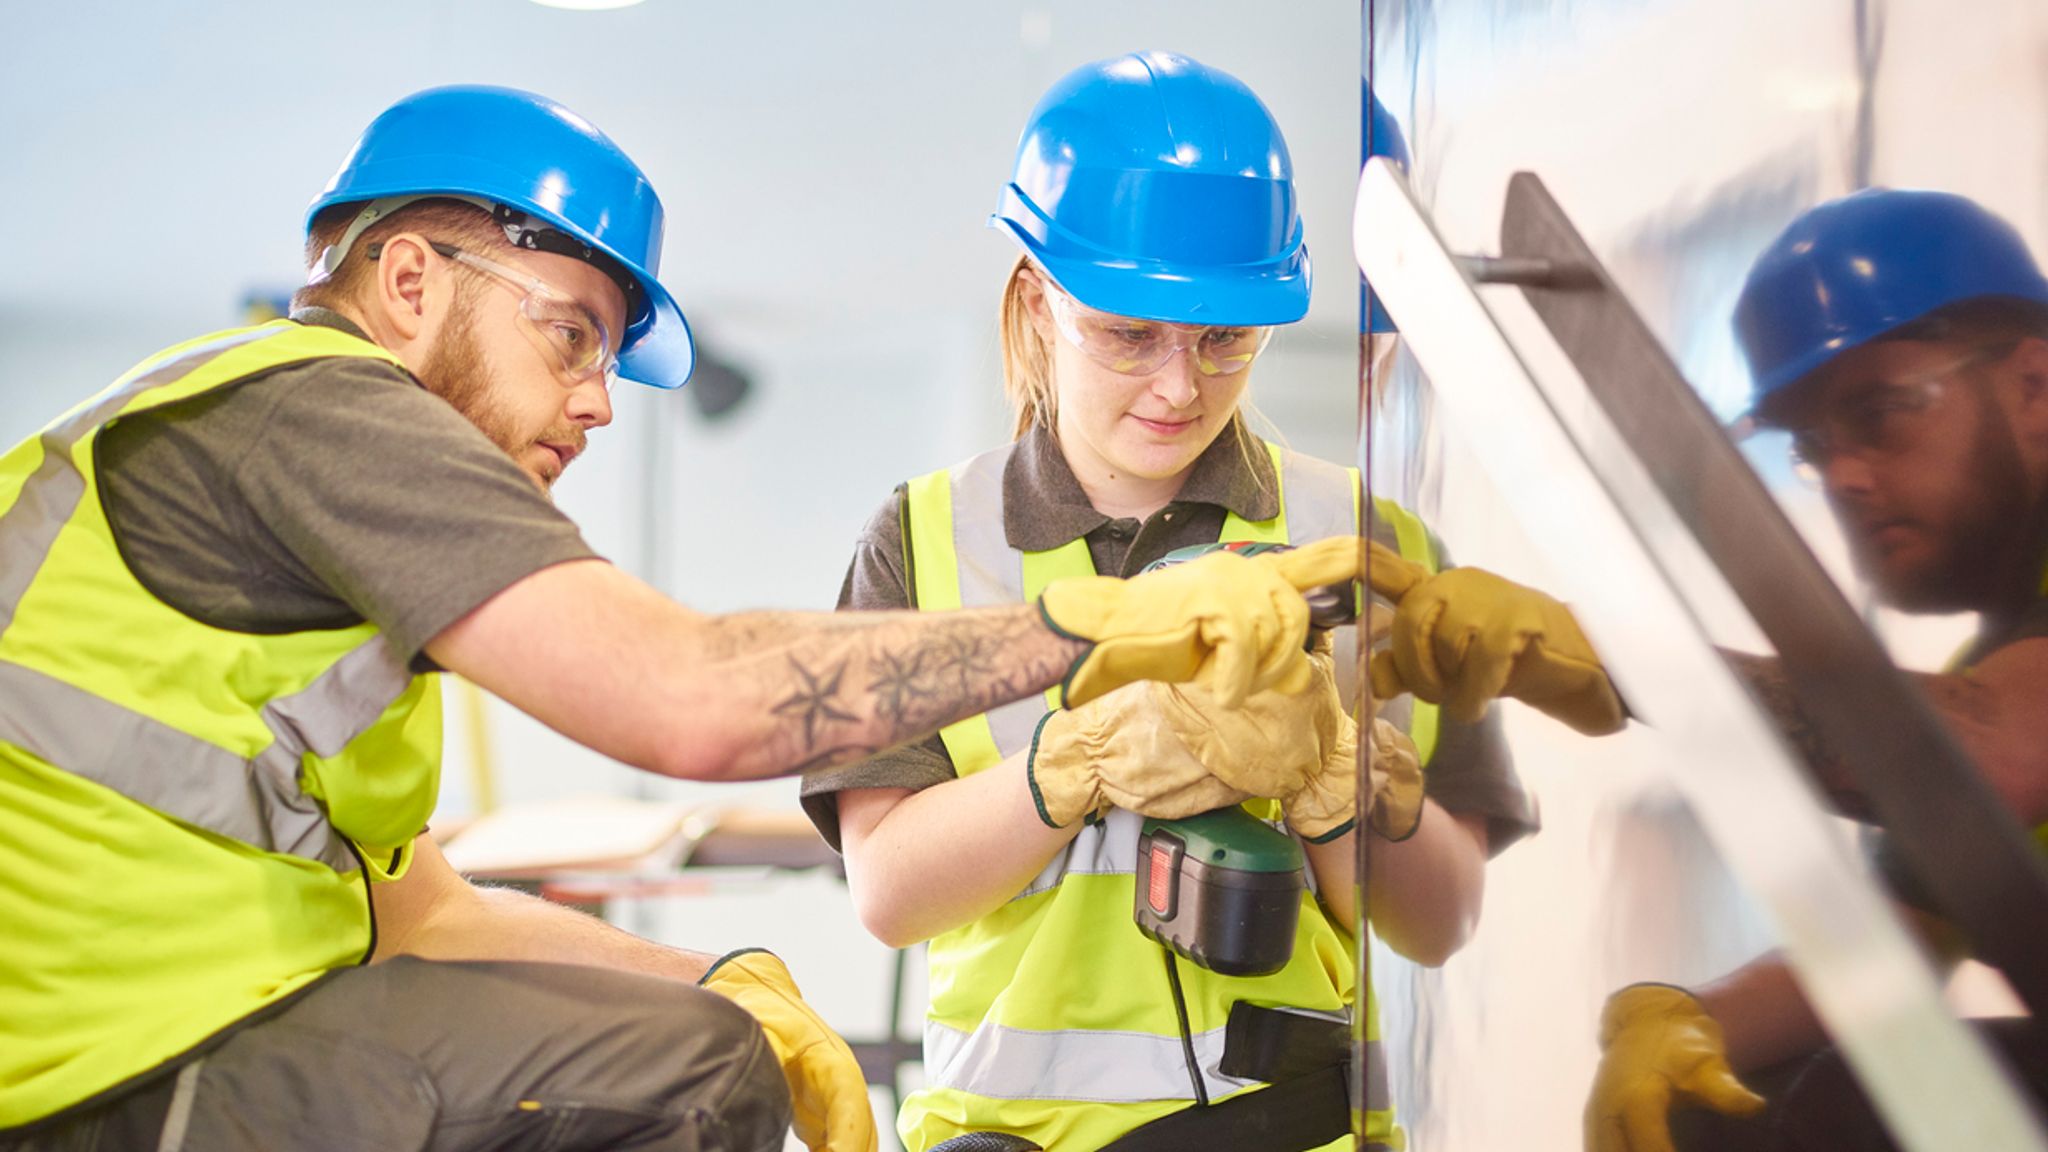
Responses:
[838,689]
[1767,681]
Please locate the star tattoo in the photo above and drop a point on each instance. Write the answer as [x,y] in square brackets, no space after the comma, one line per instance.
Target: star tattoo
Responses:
[814,701]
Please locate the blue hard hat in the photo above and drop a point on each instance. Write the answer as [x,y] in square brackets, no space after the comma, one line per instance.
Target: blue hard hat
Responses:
[1852,269]
[533,156]
[1382,137]
[1157,187]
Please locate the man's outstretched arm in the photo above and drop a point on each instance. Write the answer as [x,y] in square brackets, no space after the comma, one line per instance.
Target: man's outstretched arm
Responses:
[1997,711]
[609,662]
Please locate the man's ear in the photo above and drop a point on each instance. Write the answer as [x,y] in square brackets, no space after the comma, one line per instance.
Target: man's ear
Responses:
[2028,368]
[2025,375]
[400,294]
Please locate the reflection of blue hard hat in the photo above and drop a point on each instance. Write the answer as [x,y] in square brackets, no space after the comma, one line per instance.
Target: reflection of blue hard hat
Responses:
[1853,269]
[1382,137]
[533,156]
[1156,187]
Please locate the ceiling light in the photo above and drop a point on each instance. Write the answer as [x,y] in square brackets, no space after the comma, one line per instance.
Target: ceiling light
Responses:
[586,5]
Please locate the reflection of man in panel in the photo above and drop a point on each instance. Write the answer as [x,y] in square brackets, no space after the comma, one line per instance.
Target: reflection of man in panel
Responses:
[1902,339]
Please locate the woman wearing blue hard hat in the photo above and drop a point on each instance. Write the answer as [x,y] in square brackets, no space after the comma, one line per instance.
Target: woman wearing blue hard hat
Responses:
[1154,203]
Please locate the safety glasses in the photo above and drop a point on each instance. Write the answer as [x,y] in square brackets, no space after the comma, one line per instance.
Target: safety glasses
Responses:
[1877,418]
[575,342]
[1141,347]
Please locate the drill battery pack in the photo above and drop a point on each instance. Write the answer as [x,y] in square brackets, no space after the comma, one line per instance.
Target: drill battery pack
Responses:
[1222,889]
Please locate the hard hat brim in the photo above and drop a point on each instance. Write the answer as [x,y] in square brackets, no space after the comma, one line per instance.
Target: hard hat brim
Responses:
[1275,292]
[663,353]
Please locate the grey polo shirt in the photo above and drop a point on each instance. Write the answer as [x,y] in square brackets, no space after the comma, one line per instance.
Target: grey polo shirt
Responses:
[1044,507]
[320,495]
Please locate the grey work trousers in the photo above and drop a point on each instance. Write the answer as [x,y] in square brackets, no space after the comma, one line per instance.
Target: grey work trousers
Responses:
[424,1056]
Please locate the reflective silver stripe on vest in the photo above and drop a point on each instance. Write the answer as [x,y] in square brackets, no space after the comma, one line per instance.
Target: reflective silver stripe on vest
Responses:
[52,493]
[991,574]
[1107,848]
[257,801]
[320,719]
[1095,1067]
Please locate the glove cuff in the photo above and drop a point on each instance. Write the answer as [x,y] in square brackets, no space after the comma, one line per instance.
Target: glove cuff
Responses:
[1074,669]
[1337,833]
[704,981]
[1031,777]
[1637,1001]
[1322,812]
[1379,826]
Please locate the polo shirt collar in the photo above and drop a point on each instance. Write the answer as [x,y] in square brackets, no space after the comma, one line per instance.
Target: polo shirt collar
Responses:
[1044,506]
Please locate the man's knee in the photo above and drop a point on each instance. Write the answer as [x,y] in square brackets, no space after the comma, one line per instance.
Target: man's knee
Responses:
[714,1052]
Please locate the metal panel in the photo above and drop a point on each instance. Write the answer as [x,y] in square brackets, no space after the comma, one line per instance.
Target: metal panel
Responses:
[1962,841]
[1584,493]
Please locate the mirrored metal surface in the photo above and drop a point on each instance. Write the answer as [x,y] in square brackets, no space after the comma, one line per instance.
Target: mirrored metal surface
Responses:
[1578,487]
[1683,138]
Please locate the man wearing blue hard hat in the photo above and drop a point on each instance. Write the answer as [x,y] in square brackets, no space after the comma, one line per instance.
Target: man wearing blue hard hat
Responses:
[228,581]
[1901,338]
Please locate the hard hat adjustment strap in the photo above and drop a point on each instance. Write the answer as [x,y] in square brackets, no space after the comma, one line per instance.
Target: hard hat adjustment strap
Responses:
[557,242]
[374,211]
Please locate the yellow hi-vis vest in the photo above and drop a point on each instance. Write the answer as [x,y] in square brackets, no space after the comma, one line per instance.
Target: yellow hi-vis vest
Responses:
[1050,1018]
[187,814]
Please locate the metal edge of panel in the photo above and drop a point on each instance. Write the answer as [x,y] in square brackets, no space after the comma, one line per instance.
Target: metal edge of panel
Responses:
[1867,978]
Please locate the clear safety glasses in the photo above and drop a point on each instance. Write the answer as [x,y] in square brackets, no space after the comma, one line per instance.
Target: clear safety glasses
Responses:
[1877,418]
[575,341]
[1141,347]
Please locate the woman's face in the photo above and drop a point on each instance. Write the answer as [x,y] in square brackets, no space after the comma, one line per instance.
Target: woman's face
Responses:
[1150,426]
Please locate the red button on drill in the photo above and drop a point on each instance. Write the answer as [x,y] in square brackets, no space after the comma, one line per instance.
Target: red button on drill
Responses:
[1159,894]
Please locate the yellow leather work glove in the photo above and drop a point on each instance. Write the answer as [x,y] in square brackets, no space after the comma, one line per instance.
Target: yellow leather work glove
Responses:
[1397,783]
[1658,1048]
[1117,752]
[1235,623]
[1302,749]
[1398,787]
[1465,636]
[826,1089]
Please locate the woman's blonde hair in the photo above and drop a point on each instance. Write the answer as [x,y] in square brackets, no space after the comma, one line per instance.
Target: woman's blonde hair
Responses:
[1027,367]
[1027,363]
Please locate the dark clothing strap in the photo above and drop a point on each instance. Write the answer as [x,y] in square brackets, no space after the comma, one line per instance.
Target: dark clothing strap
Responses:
[1293,1116]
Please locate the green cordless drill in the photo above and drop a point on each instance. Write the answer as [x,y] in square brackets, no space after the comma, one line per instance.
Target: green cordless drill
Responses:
[1224,888]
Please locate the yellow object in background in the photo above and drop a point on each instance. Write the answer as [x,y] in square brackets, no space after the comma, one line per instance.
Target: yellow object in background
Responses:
[1397,782]
[1658,1048]
[1118,751]
[1296,747]
[1234,622]
[827,1092]
[1465,636]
